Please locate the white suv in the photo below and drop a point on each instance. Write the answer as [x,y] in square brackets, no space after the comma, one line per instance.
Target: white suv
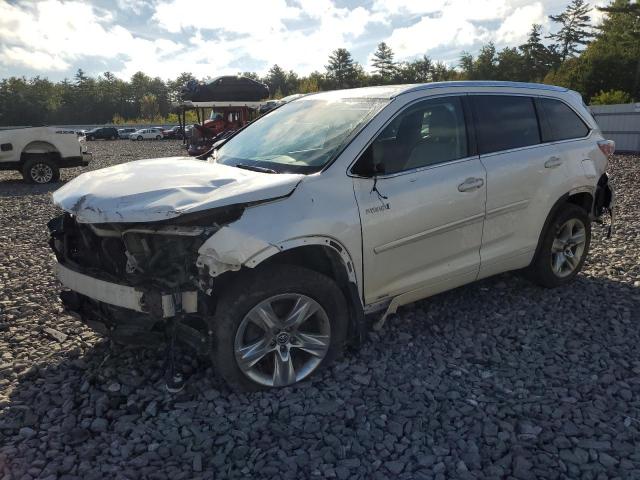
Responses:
[268,255]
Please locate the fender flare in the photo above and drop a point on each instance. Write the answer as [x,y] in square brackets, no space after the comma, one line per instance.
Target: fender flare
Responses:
[38,147]
[320,240]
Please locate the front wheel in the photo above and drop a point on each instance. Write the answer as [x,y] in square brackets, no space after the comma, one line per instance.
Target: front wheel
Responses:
[158,137]
[564,248]
[139,137]
[276,326]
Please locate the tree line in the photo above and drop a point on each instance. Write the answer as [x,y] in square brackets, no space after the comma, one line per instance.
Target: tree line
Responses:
[602,63]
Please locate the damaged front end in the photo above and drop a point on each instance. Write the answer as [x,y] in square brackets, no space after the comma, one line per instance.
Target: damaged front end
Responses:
[135,282]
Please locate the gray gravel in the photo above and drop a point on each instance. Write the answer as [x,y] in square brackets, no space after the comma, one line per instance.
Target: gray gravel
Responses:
[499,379]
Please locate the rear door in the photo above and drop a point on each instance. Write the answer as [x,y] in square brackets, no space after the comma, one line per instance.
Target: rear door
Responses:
[524,177]
[562,126]
[422,216]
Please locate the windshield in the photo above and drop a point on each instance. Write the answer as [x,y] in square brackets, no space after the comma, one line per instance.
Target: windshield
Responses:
[299,137]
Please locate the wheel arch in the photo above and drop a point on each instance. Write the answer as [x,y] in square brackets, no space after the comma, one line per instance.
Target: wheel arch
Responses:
[39,147]
[581,197]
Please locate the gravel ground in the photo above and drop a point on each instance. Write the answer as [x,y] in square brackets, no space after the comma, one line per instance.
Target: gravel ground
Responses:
[499,379]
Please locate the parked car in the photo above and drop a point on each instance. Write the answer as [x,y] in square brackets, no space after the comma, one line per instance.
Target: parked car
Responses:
[173,132]
[146,134]
[125,133]
[40,152]
[101,133]
[339,204]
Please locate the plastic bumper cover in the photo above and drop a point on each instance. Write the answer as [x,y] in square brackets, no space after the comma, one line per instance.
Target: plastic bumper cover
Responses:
[164,305]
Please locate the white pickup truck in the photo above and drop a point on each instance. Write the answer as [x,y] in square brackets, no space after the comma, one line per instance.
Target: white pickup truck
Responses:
[40,152]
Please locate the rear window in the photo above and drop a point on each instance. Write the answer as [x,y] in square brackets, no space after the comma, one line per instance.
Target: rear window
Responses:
[505,122]
[559,122]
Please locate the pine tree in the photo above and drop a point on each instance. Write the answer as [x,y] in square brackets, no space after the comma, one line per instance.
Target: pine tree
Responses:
[538,59]
[575,30]
[383,62]
[341,68]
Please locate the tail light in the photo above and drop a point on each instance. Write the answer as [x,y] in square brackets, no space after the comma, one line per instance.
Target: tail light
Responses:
[607,147]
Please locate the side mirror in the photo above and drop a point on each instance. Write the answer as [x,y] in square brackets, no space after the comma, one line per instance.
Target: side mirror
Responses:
[366,167]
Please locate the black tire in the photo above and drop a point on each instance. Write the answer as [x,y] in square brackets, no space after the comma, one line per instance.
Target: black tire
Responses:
[140,138]
[248,290]
[540,271]
[112,137]
[40,170]
[89,138]
[158,137]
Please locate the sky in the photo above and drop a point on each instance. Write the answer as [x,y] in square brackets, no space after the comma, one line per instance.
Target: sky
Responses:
[54,38]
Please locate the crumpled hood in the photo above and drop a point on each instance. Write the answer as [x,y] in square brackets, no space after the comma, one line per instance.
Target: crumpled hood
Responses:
[163,188]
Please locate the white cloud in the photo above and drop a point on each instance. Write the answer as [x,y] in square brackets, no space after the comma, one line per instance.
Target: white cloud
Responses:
[61,35]
[516,27]
[51,34]
[465,9]
[434,32]
[237,16]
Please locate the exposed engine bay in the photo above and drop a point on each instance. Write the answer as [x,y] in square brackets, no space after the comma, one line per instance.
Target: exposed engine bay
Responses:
[148,274]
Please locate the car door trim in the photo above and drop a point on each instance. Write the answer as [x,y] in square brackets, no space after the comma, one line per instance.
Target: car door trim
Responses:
[511,207]
[447,227]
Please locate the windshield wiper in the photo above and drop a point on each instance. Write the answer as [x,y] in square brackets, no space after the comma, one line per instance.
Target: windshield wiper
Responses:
[255,168]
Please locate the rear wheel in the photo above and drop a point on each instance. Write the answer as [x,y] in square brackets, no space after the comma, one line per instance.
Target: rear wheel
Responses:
[139,137]
[564,248]
[276,326]
[158,137]
[40,170]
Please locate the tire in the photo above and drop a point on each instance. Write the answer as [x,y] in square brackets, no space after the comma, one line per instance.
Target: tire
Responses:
[40,170]
[235,326]
[158,137]
[90,138]
[563,249]
[140,137]
[112,137]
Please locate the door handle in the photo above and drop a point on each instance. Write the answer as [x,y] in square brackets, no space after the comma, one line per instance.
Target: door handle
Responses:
[470,184]
[553,162]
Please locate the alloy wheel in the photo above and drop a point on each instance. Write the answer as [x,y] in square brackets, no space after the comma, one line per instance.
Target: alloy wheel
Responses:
[567,248]
[282,339]
[41,173]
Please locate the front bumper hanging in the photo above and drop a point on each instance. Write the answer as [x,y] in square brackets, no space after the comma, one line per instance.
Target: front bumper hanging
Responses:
[164,305]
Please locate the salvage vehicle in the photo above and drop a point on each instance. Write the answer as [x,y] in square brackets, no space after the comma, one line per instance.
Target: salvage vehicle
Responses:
[40,152]
[334,207]
[234,101]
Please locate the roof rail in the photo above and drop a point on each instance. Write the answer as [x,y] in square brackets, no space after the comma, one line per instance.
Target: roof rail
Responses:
[483,83]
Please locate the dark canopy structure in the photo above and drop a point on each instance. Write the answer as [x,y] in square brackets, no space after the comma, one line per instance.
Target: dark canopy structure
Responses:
[227,88]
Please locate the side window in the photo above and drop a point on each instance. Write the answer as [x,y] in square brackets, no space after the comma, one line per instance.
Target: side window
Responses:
[427,133]
[505,122]
[560,122]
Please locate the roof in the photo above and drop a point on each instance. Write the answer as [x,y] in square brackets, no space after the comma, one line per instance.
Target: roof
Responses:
[392,91]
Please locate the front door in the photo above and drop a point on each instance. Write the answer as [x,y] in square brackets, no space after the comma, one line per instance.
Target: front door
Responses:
[422,214]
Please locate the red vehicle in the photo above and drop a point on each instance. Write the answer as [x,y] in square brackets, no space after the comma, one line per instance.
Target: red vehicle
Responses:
[234,102]
[222,121]
[173,132]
